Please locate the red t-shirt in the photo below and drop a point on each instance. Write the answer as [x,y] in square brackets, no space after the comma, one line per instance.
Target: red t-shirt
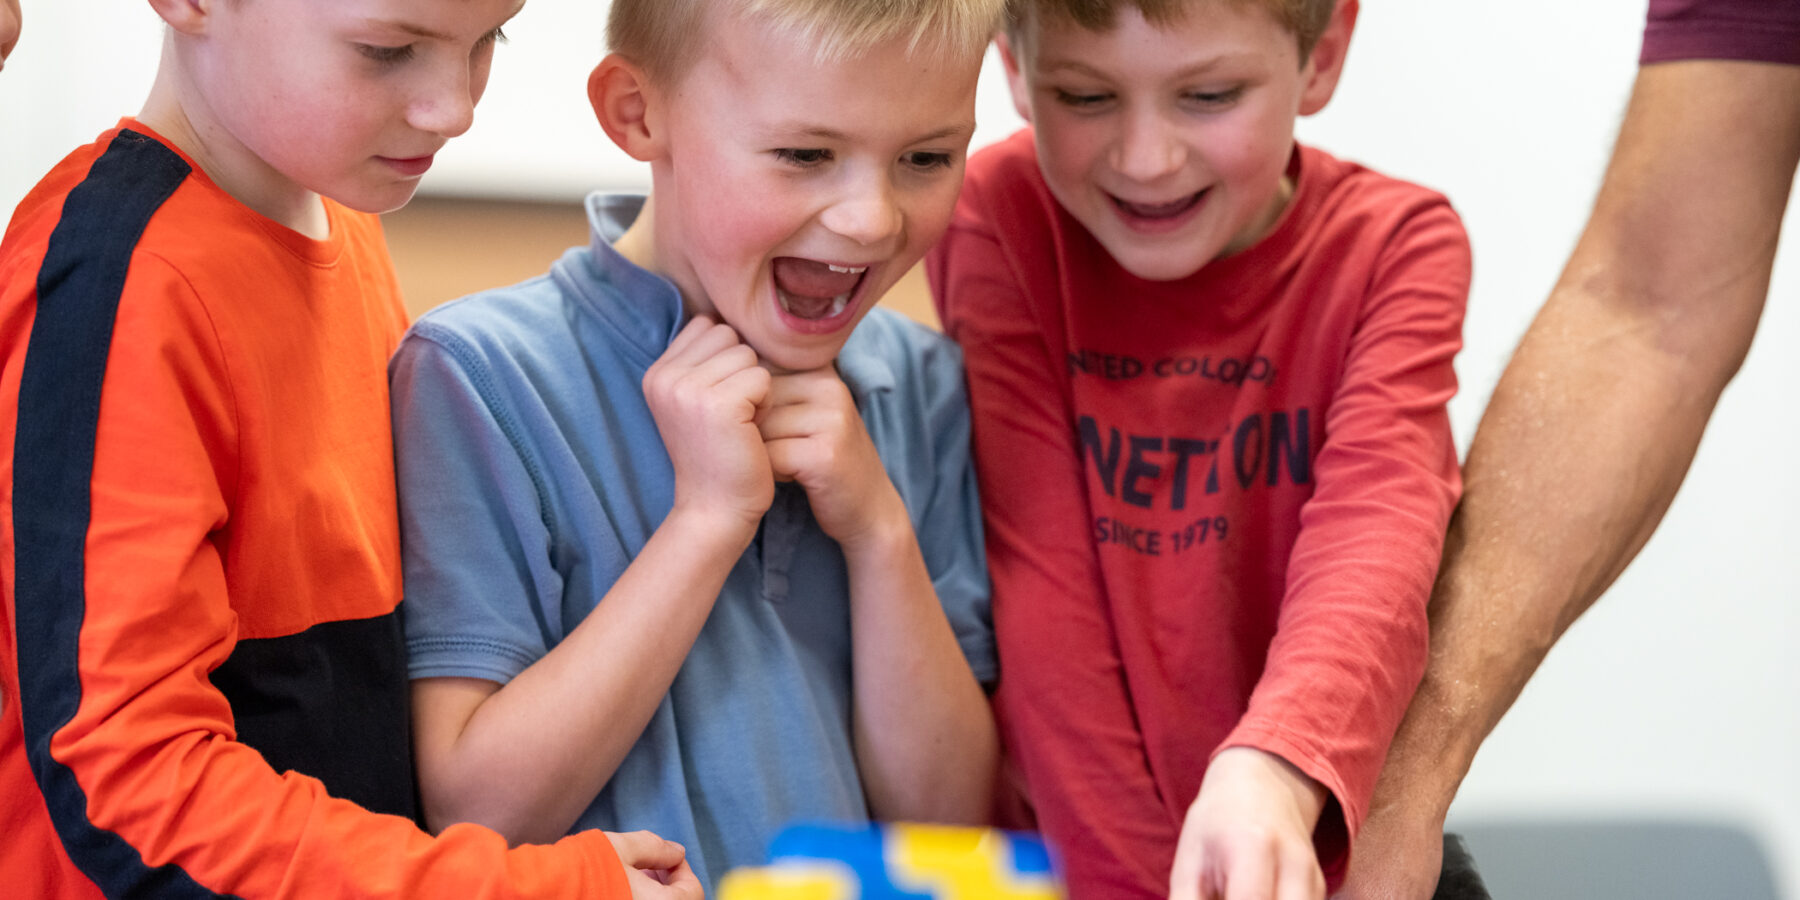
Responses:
[1214,506]
[1754,30]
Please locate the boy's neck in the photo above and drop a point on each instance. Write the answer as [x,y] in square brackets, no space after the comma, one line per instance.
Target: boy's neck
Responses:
[233,167]
[639,245]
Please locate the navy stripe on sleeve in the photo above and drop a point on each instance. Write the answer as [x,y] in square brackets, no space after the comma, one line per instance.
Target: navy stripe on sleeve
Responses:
[78,288]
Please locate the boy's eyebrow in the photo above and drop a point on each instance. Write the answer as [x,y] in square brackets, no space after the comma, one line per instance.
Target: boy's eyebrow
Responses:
[422,31]
[1199,68]
[831,134]
[409,28]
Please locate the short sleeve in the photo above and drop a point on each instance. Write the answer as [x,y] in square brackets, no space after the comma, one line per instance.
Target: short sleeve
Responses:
[949,531]
[1749,30]
[474,540]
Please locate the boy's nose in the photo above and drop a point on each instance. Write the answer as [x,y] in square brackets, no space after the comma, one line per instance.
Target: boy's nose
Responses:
[867,216]
[448,109]
[1148,149]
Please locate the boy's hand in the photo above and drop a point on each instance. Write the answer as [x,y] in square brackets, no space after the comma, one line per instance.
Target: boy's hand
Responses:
[1248,835]
[815,436]
[704,393]
[655,868]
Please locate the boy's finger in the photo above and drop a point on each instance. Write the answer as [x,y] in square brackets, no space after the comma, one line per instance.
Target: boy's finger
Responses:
[1250,876]
[705,339]
[724,362]
[791,421]
[1300,878]
[643,850]
[800,387]
[683,883]
[688,332]
[1184,875]
[749,382]
[787,457]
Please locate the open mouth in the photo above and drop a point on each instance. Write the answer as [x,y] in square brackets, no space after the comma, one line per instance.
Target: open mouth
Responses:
[815,291]
[1159,211]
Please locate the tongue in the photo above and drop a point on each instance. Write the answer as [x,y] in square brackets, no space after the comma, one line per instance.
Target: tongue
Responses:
[810,287]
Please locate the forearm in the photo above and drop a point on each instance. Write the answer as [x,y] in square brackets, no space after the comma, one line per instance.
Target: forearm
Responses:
[1599,414]
[1579,455]
[562,727]
[1350,643]
[925,737]
[166,793]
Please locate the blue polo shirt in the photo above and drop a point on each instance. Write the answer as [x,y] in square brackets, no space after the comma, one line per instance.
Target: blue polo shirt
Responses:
[531,473]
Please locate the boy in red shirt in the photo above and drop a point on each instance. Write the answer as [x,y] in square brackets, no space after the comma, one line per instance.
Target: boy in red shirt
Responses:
[200,660]
[1209,370]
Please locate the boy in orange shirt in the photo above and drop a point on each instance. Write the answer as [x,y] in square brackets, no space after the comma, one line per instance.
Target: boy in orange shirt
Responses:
[204,685]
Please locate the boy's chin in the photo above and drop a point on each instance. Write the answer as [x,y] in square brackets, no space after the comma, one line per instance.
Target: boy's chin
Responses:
[791,363]
[787,359]
[374,202]
[1157,267]
[380,207]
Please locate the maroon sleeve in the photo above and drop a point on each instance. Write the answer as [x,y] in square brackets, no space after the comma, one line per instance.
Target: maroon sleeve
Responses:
[1753,30]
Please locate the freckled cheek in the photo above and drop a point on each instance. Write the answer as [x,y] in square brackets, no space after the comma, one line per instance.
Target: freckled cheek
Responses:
[929,216]
[1076,151]
[1249,156]
[323,117]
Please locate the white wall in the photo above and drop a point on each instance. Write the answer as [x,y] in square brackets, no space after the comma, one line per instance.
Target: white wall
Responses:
[1679,694]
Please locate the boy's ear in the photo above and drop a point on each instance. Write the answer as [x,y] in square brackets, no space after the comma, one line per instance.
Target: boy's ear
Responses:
[1327,61]
[625,102]
[185,16]
[1015,75]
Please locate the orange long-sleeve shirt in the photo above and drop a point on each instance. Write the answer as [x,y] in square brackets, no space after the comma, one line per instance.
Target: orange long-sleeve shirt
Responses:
[203,683]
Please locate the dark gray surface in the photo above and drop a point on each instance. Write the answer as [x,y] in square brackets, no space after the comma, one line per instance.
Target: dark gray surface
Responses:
[1601,859]
[1459,879]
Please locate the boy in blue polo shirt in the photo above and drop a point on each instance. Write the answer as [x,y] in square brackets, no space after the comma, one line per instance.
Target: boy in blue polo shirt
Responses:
[691,540]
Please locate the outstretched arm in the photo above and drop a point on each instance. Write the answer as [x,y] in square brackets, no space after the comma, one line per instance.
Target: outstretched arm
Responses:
[1594,423]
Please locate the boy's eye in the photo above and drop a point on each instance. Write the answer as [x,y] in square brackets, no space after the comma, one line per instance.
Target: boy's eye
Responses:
[497,36]
[386,55]
[1081,100]
[803,156]
[927,160]
[1214,98]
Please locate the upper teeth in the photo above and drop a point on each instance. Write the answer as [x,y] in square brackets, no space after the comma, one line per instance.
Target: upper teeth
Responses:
[846,269]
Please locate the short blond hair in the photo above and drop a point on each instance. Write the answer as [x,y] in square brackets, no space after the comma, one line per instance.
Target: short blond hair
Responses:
[1305,19]
[665,37]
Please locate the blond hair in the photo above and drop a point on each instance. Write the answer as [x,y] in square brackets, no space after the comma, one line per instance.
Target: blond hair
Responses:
[666,36]
[1305,19]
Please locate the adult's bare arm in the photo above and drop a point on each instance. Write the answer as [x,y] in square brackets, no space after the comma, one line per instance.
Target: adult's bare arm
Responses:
[1594,423]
